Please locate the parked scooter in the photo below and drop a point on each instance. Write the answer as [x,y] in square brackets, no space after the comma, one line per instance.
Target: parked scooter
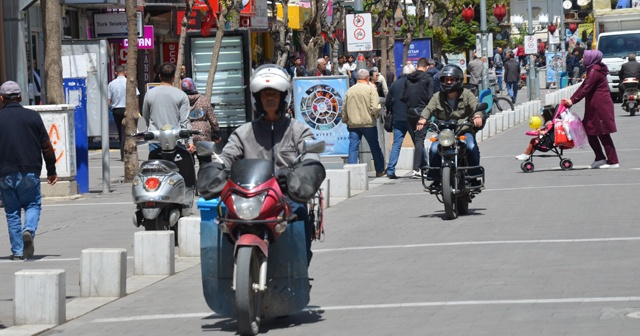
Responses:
[254,255]
[456,191]
[630,95]
[164,188]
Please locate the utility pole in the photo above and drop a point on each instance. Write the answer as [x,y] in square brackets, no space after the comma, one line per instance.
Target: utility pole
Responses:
[534,84]
[483,44]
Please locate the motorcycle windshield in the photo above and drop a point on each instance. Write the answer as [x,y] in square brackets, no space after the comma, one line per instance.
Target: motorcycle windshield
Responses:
[249,173]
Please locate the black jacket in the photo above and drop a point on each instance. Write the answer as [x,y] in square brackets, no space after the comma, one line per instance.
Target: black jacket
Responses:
[419,90]
[394,101]
[511,71]
[630,69]
[25,142]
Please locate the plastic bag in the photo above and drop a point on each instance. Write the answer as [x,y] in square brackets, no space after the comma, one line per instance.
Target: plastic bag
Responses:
[573,125]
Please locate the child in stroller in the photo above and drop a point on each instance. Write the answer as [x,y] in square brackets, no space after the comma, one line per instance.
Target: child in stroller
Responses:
[543,141]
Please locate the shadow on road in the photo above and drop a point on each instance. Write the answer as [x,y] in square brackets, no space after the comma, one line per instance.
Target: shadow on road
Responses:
[229,325]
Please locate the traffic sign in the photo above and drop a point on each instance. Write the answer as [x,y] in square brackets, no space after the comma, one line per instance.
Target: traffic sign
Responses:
[489,46]
[530,45]
[359,35]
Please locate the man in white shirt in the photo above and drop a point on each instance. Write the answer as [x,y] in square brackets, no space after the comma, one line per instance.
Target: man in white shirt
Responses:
[117,101]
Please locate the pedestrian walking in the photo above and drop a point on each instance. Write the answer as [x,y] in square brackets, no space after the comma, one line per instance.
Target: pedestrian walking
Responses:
[398,109]
[418,90]
[512,76]
[117,101]
[321,68]
[475,70]
[25,142]
[166,105]
[360,112]
[599,120]
[498,65]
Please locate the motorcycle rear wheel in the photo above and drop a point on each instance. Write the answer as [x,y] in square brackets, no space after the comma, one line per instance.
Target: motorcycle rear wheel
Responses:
[632,112]
[247,299]
[448,195]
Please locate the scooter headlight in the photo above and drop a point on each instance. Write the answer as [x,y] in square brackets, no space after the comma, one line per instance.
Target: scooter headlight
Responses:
[447,138]
[248,208]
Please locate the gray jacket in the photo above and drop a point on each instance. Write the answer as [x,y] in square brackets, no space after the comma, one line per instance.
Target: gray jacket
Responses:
[281,141]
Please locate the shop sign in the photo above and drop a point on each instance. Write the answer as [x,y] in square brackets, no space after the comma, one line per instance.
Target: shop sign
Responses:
[145,42]
[114,24]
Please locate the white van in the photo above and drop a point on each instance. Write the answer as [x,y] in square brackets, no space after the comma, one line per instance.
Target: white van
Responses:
[615,47]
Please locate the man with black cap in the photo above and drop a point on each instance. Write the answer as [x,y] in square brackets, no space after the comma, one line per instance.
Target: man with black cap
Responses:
[25,142]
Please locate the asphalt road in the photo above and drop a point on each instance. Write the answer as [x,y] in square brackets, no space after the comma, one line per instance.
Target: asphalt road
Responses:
[547,253]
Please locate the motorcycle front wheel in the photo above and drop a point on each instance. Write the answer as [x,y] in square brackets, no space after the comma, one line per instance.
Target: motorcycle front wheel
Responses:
[247,298]
[448,195]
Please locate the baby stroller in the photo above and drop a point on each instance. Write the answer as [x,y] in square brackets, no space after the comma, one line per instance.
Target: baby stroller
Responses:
[546,143]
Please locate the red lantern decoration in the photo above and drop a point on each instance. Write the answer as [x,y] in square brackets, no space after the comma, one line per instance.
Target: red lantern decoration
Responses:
[468,13]
[573,27]
[552,29]
[500,11]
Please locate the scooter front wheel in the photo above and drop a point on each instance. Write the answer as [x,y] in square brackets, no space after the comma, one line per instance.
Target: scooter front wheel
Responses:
[247,297]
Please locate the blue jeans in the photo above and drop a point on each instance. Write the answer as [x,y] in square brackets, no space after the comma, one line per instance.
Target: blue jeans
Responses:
[512,90]
[473,157]
[499,77]
[371,135]
[21,191]
[400,128]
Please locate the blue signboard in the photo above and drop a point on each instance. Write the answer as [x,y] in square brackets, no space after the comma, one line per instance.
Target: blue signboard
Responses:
[318,103]
[75,93]
[417,49]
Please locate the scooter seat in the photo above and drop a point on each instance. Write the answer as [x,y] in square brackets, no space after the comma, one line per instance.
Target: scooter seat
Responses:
[158,166]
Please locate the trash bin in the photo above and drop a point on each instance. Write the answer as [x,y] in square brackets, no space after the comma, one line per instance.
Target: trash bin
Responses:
[564,79]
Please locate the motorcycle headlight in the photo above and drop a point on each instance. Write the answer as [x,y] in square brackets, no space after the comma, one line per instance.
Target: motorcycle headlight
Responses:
[248,208]
[447,138]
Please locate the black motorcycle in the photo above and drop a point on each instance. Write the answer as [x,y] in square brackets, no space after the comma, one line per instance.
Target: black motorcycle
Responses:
[458,187]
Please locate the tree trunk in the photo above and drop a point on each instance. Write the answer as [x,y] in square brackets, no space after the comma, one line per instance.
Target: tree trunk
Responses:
[383,52]
[51,13]
[131,113]
[183,38]
[391,56]
[282,35]
[405,52]
[227,7]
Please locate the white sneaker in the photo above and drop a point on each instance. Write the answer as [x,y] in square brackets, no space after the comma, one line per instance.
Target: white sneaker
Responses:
[416,174]
[522,157]
[597,164]
[610,166]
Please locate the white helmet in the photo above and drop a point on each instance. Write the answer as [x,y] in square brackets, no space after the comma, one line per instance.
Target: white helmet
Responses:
[270,76]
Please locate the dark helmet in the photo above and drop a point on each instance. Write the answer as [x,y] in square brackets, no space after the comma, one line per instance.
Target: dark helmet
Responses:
[451,70]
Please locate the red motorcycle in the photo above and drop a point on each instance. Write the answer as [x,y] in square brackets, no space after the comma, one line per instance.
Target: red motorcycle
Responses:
[254,262]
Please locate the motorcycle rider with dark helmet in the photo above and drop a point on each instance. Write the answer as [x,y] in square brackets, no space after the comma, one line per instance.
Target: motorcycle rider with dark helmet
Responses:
[452,102]
[271,136]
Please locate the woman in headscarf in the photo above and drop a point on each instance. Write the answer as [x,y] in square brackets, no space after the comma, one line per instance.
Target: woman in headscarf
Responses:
[201,117]
[599,120]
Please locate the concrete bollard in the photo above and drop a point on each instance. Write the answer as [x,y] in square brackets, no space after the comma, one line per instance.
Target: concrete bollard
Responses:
[103,272]
[405,161]
[500,117]
[479,136]
[511,118]
[491,125]
[339,182]
[518,114]
[189,237]
[154,253]
[358,176]
[40,297]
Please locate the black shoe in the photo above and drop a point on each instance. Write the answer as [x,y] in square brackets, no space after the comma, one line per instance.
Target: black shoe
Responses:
[392,176]
[15,257]
[434,187]
[28,248]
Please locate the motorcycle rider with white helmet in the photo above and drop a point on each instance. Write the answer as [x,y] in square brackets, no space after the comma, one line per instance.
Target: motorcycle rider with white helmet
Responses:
[452,102]
[271,136]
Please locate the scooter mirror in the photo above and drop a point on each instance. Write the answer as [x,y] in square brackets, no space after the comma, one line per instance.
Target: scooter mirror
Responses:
[205,148]
[481,107]
[314,146]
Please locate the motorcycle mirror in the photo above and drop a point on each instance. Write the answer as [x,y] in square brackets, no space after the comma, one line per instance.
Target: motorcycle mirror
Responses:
[313,146]
[205,148]
[481,107]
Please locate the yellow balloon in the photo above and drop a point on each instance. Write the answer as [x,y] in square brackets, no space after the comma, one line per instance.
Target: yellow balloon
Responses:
[535,122]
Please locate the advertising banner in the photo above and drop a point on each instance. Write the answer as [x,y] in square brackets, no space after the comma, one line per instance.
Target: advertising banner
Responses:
[417,49]
[554,62]
[318,103]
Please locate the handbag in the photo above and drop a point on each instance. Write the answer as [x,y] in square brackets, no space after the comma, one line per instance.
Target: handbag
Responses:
[388,121]
[561,138]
